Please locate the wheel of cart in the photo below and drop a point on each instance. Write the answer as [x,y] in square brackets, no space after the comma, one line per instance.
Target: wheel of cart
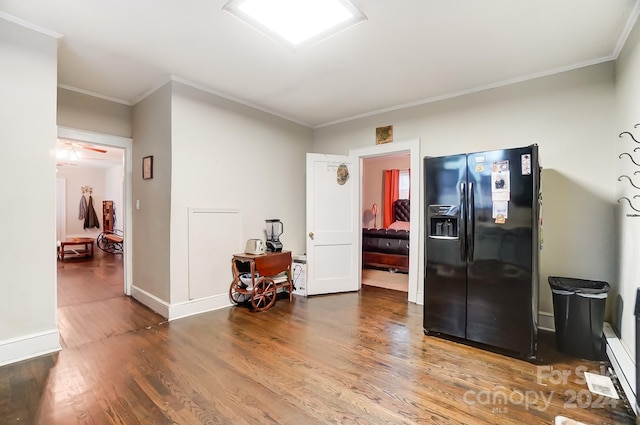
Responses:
[238,294]
[241,289]
[264,294]
[111,241]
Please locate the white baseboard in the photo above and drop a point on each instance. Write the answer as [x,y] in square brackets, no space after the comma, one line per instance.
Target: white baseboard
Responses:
[154,303]
[180,310]
[546,322]
[30,346]
[623,364]
[202,305]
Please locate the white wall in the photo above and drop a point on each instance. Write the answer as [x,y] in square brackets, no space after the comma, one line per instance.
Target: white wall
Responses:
[114,191]
[27,144]
[227,155]
[628,108]
[570,116]
[208,153]
[76,178]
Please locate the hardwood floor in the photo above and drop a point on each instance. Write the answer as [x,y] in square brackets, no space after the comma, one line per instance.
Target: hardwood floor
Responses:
[91,301]
[354,358]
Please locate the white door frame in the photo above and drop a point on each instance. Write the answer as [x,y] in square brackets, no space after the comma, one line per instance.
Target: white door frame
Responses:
[126,144]
[413,148]
[61,210]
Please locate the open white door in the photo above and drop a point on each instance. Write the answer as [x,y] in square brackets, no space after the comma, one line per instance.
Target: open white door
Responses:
[332,256]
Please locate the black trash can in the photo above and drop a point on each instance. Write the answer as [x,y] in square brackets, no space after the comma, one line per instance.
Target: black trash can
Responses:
[578,312]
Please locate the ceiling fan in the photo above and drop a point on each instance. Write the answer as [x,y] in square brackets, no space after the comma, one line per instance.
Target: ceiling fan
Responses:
[93,148]
[70,152]
[71,145]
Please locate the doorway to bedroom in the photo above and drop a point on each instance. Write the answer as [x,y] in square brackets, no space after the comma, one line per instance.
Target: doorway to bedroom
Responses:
[385,221]
[411,148]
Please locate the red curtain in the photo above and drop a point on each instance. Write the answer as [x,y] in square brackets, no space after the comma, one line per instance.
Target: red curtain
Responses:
[391,193]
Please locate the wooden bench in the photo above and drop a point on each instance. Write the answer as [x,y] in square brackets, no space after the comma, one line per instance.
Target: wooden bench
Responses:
[86,251]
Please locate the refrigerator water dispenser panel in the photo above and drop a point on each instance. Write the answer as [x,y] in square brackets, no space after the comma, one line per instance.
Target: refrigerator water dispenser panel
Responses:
[443,221]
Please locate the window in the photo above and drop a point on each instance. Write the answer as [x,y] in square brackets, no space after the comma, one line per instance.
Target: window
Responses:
[404,184]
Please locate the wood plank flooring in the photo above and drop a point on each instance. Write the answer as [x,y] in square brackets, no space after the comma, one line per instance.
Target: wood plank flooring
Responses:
[91,304]
[354,358]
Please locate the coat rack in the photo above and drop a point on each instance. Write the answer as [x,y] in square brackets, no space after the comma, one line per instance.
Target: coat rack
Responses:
[87,189]
[624,176]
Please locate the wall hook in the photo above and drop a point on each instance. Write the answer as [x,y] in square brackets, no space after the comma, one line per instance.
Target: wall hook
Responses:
[630,181]
[630,135]
[630,157]
[636,126]
[629,201]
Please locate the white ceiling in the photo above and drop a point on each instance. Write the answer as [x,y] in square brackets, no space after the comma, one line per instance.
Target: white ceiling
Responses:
[407,52]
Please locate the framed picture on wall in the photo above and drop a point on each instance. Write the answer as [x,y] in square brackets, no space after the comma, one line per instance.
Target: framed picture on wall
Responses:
[147,167]
[384,134]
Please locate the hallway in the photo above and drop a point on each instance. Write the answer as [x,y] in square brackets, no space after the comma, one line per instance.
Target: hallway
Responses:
[91,301]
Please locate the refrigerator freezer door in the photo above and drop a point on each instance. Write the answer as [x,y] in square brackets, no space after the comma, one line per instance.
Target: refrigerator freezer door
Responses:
[445,289]
[502,273]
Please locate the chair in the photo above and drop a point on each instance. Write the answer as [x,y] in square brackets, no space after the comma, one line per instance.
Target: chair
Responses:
[111,241]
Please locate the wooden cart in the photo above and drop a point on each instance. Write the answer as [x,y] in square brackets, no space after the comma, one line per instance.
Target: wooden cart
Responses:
[274,272]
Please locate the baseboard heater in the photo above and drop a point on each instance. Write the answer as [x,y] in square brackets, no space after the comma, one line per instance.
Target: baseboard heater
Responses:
[623,365]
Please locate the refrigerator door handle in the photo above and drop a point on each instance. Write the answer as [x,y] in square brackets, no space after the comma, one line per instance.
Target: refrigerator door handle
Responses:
[463,228]
[471,223]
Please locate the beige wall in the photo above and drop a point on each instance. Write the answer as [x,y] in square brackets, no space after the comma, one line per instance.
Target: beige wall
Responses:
[569,115]
[373,185]
[623,295]
[227,155]
[84,112]
[151,222]
[27,142]
[209,153]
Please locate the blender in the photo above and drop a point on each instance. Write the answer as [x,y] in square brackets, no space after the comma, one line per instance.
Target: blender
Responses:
[274,229]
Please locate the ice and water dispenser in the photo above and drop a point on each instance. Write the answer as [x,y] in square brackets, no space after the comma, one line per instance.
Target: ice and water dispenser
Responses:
[443,221]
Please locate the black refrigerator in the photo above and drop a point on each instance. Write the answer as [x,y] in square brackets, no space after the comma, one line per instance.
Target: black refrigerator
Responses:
[482,215]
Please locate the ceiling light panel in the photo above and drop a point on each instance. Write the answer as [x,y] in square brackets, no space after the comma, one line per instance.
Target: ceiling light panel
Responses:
[296,23]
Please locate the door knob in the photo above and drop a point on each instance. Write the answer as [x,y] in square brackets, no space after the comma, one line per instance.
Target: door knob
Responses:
[311,235]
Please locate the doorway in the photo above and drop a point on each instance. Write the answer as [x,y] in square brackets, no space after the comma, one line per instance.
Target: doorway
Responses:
[123,145]
[385,231]
[411,147]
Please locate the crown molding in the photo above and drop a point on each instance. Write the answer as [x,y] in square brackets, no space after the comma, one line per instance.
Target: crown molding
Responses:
[30,25]
[631,22]
[151,90]
[94,94]
[237,100]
